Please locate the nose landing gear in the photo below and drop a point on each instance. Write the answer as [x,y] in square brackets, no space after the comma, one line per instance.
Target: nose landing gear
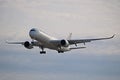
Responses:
[42,52]
[60,51]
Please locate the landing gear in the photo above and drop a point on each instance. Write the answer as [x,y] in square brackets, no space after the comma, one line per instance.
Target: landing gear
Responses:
[42,52]
[60,51]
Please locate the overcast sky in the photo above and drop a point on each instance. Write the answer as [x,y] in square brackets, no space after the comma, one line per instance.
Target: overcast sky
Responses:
[84,18]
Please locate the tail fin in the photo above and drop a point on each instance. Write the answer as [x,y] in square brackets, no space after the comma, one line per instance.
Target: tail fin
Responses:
[69,36]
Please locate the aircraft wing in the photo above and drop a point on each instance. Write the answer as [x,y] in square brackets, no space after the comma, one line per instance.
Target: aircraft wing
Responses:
[35,43]
[15,43]
[87,40]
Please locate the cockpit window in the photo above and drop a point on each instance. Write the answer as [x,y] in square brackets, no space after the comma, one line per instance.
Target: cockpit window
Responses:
[33,30]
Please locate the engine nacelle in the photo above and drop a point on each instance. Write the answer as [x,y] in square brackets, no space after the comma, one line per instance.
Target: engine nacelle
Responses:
[64,43]
[28,45]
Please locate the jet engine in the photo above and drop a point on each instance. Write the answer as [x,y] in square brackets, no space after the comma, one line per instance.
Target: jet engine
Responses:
[28,45]
[64,43]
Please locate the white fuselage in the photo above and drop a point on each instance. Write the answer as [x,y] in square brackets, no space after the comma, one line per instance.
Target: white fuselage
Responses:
[45,39]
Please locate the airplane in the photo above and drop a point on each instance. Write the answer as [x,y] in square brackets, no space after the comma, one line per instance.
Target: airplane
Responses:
[43,40]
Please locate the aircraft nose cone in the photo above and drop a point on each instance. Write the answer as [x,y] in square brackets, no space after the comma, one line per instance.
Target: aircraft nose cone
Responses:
[33,29]
[32,33]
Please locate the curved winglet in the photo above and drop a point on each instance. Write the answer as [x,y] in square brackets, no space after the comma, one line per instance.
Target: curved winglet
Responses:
[112,36]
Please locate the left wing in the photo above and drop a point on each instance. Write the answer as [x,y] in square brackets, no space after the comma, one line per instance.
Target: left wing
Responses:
[33,43]
[15,42]
[87,40]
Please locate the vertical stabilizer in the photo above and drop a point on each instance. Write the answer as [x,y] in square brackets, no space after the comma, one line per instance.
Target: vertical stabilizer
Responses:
[69,36]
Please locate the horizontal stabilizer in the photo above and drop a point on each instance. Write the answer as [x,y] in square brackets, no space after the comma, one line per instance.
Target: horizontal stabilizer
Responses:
[77,48]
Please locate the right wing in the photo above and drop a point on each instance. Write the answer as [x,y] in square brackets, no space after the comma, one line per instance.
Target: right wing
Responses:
[87,40]
[76,41]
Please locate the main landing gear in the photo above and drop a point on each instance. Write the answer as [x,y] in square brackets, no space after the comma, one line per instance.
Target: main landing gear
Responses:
[59,50]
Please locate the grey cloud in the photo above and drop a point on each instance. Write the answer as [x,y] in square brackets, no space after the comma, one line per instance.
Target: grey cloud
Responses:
[68,66]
